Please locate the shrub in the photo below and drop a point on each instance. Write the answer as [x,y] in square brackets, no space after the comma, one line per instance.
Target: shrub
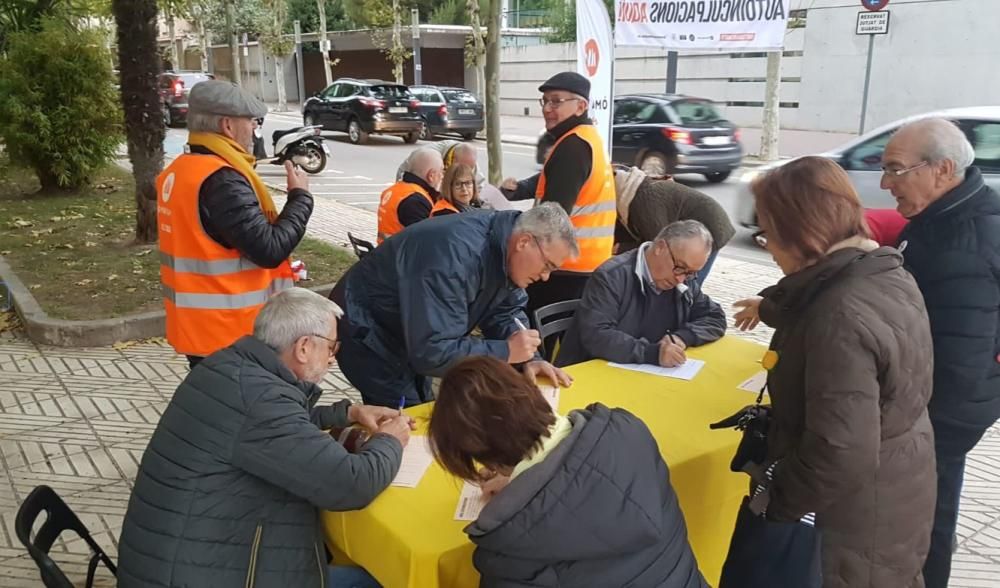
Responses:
[59,109]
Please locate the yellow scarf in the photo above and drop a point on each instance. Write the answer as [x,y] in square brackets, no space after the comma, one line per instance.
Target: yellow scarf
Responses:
[236,156]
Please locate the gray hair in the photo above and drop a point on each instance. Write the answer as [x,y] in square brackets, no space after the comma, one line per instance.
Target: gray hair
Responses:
[464,149]
[940,140]
[684,230]
[204,122]
[548,222]
[424,160]
[292,314]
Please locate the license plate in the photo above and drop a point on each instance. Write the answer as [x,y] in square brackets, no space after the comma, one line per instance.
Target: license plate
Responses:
[716,140]
[398,110]
[466,111]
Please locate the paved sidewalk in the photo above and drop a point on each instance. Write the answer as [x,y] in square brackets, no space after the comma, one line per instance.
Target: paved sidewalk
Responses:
[79,420]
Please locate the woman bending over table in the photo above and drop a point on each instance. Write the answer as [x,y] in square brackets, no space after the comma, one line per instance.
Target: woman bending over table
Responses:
[577,500]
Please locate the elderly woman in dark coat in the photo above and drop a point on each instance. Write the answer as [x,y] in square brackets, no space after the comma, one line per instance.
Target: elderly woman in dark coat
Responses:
[646,205]
[850,378]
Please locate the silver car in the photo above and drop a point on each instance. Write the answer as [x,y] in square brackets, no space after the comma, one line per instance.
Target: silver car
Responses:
[862,158]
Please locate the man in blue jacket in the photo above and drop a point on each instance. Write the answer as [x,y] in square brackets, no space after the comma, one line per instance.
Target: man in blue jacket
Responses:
[411,306]
[952,248]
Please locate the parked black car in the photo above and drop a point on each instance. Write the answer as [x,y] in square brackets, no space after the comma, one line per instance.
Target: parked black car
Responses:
[363,107]
[174,87]
[667,134]
[449,110]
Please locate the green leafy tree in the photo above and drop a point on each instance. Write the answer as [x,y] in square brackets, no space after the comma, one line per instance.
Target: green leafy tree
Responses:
[27,15]
[59,112]
[562,19]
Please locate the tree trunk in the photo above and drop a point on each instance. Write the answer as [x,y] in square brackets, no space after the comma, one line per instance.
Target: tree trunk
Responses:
[397,44]
[139,64]
[771,123]
[175,60]
[279,74]
[234,43]
[321,5]
[477,44]
[203,43]
[493,149]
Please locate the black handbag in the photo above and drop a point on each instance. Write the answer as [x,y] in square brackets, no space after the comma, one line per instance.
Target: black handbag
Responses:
[763,553]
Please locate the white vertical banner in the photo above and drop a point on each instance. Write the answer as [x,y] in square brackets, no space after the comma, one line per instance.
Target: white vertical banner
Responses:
[595,60]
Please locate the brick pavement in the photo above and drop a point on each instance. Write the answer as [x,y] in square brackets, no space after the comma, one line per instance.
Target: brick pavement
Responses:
[79,419]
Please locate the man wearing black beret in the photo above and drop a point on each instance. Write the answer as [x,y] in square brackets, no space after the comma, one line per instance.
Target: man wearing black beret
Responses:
[577,176]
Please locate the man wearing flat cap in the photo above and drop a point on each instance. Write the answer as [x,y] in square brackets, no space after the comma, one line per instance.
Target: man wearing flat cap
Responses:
[577,176]
[224,247]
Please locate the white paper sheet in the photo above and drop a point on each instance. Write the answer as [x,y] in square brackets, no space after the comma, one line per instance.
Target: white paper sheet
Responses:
[686,371]
[470,503]
[417,457]
[551,395]
[755,382]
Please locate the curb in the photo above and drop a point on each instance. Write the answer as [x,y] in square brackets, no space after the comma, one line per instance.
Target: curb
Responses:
[43,329]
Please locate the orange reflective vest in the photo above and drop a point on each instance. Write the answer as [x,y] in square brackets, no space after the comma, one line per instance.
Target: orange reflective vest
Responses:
[594,214]
[443,207]
[211,293]
[388,208]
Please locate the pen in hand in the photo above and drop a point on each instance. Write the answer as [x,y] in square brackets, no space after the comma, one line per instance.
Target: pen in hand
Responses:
[402,404]
[519,324]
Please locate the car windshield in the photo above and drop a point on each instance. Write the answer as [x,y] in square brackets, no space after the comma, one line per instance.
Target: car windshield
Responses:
[192,79]
[386,91]
[460,96]
[696,111]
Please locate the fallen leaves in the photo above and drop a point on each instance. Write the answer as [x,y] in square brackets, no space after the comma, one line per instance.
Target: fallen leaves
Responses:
[84,282]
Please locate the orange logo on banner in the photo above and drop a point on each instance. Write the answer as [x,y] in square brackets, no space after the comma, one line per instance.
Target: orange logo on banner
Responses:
[592,57]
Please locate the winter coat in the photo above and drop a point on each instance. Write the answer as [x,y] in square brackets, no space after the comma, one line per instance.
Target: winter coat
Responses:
[850,429]
[617,308]
[230,486]
[231,215]
[644,210]
[415,300]
[599,510]
[952,248]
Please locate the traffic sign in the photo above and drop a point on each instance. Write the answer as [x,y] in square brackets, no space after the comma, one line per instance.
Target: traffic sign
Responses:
[874,5]
[872,23]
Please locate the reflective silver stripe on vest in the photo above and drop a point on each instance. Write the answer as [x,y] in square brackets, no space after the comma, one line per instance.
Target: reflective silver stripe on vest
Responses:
[224,301]
[218,267]
[594,208]
[594,232]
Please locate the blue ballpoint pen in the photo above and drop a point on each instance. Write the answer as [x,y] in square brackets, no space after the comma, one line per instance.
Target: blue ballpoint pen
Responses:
[402,404]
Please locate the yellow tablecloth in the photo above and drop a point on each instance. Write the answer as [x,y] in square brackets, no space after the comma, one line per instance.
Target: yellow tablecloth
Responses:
[407,537]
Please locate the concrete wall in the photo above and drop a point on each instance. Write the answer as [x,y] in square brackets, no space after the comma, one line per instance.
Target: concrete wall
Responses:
[938,54]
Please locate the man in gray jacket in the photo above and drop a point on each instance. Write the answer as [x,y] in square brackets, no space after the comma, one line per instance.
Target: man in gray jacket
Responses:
[646,306]
[230,486]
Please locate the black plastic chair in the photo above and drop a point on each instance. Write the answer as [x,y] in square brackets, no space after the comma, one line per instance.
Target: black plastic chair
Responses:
[59,518]
[551,329]
[360,246]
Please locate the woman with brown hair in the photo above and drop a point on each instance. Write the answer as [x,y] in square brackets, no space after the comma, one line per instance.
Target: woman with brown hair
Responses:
[578,500]
[850,376]
[459,191]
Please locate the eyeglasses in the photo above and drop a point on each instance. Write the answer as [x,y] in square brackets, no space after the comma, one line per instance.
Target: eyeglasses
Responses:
[464,185]
[888,171]
[549,266]
[555,102]
[679,271]
[334,345]
[760,237]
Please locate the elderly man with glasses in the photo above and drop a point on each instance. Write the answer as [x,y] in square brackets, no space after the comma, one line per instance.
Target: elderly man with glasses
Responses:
[231,484]
[577,176]
[646,306]
[952,248]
